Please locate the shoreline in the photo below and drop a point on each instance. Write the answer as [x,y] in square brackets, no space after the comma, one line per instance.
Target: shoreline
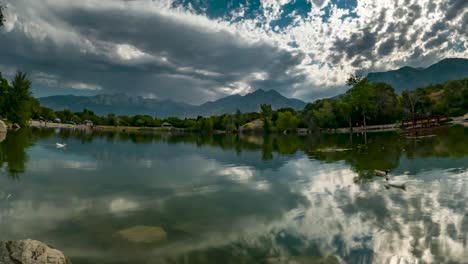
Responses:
[126,129]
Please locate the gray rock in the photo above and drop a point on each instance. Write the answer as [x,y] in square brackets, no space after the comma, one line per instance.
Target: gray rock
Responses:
[30,252]
[3,127]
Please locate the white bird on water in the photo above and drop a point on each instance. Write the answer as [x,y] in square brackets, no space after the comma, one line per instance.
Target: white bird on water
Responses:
[395,183]
[60,145]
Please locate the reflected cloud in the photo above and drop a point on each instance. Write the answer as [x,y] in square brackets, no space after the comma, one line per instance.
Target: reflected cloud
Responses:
[240,174]
[121,205]
[51,165]
[215,202]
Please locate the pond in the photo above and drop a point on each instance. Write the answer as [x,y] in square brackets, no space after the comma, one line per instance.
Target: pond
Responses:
[135,198]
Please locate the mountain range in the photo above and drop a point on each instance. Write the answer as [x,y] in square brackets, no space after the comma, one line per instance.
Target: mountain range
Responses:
[408,78]
[123,104]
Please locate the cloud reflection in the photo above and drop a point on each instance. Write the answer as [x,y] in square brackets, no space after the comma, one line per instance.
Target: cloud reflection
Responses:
[213,202]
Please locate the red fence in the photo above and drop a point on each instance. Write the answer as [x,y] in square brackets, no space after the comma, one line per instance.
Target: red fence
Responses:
[427,121]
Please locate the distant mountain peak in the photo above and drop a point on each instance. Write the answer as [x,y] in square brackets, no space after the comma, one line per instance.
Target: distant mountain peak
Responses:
[262,91]
[409,68]
[124,104]
[409,78]
[258,91]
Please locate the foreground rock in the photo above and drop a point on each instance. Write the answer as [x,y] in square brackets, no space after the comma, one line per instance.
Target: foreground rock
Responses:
[30,252]
[3,127]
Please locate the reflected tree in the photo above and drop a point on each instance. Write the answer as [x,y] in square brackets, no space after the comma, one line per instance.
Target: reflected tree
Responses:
[13,151]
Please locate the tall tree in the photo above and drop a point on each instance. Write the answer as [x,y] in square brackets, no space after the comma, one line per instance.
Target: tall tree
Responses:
[2,17]
[266,113]
[4,87]
[362,94]
[345,109]
[19,99]
[354,79]
[387,104]
[325,114]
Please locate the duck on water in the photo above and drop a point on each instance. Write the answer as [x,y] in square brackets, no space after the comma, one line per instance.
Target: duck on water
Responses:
[391,183]
[395,183]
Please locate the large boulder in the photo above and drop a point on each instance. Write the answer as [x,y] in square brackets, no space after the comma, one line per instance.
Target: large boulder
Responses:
[465,117]
[30,252]
[3,127]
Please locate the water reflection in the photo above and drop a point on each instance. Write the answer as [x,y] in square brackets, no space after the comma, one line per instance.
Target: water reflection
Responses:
[237,199]
[381,150]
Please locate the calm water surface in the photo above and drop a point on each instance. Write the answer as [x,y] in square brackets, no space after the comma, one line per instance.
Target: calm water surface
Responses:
[119,198]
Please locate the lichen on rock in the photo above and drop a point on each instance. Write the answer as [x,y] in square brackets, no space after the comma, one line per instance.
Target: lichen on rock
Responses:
[30,252]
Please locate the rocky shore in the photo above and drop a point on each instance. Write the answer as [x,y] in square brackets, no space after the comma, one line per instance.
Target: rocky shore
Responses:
[30,252]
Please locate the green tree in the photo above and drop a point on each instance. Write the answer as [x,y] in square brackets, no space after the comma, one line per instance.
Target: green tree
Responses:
[286,121]
[111,120]
[454,97]
[175,121]
[266,113]
[409,102]
[47,113]
[2,17]
[324,115]
[362,94]
[64,115]
[387,104]
[345,109]
[4,87]
[354,79]
[238,119]
[19,99]
[207,124]
[190,124]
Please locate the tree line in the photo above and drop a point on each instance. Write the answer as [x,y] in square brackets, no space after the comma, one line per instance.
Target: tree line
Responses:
[449,143]
[365,103]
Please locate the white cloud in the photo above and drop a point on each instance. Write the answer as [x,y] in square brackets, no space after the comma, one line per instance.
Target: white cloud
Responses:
[129,52]
[121,205]
[311,57]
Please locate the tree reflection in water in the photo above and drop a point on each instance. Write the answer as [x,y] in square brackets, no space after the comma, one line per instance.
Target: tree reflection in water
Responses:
[244,198]
[363,153]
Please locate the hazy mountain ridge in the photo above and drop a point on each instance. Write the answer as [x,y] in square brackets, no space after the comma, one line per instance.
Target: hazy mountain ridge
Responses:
[409,78]
[122,104]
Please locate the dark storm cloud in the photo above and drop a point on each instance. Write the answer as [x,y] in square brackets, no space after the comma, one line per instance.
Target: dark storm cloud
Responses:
[435,29]
[181,61]
[386,47]
[147,48]
[437,41]
[454,8]
[361,44]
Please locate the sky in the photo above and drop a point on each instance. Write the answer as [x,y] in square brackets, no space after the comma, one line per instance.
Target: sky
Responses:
[195,51]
